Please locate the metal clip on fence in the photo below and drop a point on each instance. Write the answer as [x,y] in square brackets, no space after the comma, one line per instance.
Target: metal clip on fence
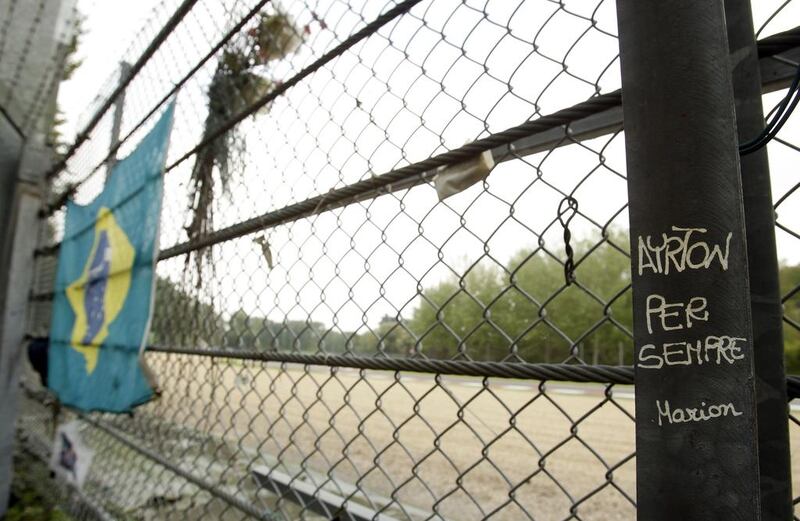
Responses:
[571,208]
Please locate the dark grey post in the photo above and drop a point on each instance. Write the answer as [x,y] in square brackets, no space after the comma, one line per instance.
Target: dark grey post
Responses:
[23,161]
[11,145]
[765,298]
[15,280]
[697,454]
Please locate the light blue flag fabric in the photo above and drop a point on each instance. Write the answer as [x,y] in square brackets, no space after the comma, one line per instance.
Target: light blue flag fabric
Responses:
[104,285]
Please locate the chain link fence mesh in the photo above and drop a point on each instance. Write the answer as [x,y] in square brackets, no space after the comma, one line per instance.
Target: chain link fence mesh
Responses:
[329,346]
[783,152]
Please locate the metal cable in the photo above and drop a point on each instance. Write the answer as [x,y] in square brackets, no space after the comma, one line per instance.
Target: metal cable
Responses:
[767,47]
[399,179]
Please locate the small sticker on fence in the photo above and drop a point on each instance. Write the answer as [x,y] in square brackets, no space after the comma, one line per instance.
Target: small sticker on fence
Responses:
[70,458]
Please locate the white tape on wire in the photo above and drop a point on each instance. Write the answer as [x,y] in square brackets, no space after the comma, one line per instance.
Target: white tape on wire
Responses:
[454,179]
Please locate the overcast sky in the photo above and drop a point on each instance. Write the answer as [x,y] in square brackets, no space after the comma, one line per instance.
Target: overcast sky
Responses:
[294,152]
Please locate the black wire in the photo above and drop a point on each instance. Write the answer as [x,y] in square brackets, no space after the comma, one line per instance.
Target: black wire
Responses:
[772,127]
[788,113]
[571,208]
[780,115]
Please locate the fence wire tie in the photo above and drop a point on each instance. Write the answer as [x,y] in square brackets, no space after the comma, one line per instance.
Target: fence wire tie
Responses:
[570,208]
[266,251]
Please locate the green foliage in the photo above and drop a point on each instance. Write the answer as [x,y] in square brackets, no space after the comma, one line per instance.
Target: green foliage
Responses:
[253,332]
[181,318]
[525,309]
[391,337]
[27,505]
[244,331]
[522,309]
[492,313]
[464,315]
[790,279]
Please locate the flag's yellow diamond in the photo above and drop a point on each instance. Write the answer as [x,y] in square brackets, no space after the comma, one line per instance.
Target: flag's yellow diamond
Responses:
[99,294]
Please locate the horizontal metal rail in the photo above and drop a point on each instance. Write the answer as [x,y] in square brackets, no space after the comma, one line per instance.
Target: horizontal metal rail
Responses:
[778,43]
[307,496]
[611,374]
[401,178]
[523,370]
[606,374]
[595,117]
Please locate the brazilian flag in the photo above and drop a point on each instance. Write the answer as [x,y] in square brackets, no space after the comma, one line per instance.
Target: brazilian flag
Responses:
[104,284]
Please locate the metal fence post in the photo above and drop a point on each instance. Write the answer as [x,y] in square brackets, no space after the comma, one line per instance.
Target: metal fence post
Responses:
[116,125]
[696,440]
[16,279]
[11,146]
[765,296]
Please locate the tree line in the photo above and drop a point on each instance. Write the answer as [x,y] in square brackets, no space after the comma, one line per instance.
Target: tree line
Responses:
[520,310]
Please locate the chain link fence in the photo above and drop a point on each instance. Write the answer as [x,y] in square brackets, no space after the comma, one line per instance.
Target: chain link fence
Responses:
[783,150]
[331,339]
[35,39]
